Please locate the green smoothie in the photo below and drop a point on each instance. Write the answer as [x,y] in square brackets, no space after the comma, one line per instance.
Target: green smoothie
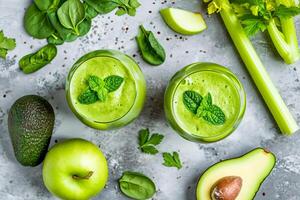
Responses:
[226,94]
[121,105]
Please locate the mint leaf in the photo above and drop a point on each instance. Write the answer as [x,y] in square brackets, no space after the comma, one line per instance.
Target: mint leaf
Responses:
[192,100]
[102,94]
[172,160]
[209,112]
[147,143]
[286,12]
[95,83]
[112,83]
[88,97]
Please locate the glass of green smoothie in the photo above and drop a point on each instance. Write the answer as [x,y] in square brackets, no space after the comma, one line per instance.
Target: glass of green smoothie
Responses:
[204,102]
[106,89]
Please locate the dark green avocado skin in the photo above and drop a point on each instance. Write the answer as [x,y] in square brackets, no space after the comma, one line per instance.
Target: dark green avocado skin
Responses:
[30,125]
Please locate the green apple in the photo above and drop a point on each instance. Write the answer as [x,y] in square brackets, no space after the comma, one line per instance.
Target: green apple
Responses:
[182,21]
[75,169]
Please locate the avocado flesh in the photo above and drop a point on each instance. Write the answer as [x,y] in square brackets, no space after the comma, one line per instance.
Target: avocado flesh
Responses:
[30,125]
[252,167]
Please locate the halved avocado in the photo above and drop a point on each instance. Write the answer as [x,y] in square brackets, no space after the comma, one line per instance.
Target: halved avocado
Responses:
[252,168]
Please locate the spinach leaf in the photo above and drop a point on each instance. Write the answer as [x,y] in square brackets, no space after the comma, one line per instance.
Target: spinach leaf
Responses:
[47,5]
[124,6]
[137,186]
[6,44]
[35,61]
[71,14]
[66,34]
[37,23]
[55,39]
[84,27]
[90,12]
[150,49]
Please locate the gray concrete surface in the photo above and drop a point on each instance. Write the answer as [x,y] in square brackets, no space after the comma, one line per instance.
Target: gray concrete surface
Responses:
[120,146]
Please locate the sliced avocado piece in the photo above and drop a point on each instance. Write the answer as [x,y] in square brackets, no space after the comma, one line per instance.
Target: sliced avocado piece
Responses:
[182,21]
[30,125]
[252,168]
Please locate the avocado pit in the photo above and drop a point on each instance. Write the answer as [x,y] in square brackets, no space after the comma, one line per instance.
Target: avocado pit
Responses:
[227,188]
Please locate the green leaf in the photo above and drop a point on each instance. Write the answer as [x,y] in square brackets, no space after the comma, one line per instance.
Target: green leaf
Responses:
[37,24]
[192,100]
[172,160]
[55,39]
[71,14]
[209,112]
[88,97]
[253,24]
[286,12]
[102,94]
[112,83]
[147,143]
[95,83]
[150,49]
[84,27]
[90,12]
[47,5]
[103,6]
[137,186]
[6,44]
[3,53]
[35,61]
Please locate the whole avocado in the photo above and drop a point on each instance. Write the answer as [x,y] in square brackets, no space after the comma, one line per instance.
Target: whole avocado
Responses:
[30,124]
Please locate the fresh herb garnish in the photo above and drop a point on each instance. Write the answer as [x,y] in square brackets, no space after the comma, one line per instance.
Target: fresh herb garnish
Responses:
[35,61]
[6,44]
[147,143]
[98,88]
[172,160]
[203,107]
[124,6]
[150,49]
[137,186]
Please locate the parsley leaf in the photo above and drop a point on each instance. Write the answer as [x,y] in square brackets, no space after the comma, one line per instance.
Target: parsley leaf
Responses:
[6,44]
[147,143]
[253,24]
[172,160]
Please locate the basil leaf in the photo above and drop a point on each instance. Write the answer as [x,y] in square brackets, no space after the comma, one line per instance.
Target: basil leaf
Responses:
[150,49]
[35,61]
[137,186]
[112,83]
[192,100]
[47,5]
[90,12]
[71,14]
[36,23]
[88,97]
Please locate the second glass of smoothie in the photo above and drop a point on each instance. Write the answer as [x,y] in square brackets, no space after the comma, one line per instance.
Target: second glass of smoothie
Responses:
[106,89]
[204,102]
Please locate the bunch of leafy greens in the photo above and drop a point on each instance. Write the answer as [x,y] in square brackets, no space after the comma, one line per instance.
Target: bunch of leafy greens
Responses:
[172,160]
[147,143]
[6,44]
[150,49]
[65,20]
[136,185]
[98,88]
[233,23]
[275,16]
[203,107]
[35,61]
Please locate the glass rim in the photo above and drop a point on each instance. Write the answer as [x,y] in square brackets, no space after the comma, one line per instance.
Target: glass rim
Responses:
[117,55]
[213,67]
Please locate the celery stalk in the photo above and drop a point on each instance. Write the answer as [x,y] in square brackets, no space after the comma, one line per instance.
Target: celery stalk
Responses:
[278,108]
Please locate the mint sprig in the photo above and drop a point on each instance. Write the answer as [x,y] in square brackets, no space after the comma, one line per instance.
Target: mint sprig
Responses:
[147,143]
[203,107]
[98,88]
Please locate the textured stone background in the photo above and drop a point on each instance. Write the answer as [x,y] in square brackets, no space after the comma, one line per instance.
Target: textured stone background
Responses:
[120,146]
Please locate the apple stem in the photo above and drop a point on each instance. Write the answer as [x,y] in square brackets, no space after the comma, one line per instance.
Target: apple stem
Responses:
[83,177]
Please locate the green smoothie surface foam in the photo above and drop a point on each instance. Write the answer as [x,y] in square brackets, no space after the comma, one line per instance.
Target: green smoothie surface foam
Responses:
[117,104]
[224,94]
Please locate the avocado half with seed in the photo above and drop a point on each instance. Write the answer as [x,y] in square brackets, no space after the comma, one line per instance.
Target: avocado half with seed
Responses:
[30,126]
[236,179]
